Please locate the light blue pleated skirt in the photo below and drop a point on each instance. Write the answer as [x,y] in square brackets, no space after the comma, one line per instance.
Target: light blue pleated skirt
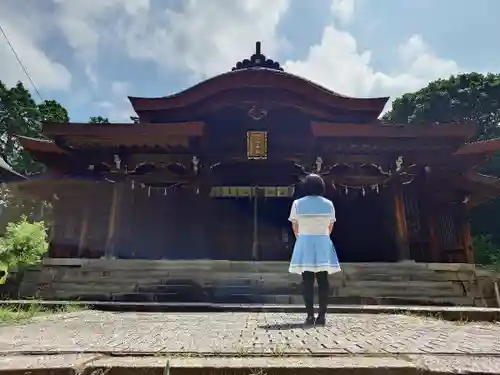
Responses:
[314,253]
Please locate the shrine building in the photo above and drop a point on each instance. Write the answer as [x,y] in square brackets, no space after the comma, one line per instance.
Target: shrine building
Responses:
[209,173]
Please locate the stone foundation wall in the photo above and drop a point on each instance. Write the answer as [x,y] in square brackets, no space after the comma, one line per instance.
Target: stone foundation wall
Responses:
[257,282]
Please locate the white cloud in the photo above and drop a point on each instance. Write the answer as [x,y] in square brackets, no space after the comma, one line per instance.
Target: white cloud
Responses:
[44,71]
[80,24]
[422,62]
[206,37]
[336,63]
[343,10]
[118,107]
[203,38]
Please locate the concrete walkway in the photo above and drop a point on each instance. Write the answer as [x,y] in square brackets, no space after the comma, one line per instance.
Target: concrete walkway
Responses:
[94,339]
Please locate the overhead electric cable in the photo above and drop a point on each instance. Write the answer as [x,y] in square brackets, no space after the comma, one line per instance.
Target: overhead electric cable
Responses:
[23,68]
[20,62]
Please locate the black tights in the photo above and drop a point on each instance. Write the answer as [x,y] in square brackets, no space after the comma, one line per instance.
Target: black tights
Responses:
[308,291]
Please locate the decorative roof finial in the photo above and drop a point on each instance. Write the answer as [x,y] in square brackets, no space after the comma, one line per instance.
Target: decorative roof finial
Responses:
[257,48]
[258,60]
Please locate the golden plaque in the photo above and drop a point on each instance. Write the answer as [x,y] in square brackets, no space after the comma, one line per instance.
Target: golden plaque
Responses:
[257,145]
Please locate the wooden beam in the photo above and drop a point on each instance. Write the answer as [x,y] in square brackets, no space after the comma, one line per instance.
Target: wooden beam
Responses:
[43,146]
[460,130]
[486,148]
[166,141]
[111,131]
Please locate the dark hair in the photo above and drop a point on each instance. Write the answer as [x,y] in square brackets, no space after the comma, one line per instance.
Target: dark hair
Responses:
[313,184]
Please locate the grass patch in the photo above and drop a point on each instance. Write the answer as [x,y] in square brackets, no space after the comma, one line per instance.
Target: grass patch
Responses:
[20,313]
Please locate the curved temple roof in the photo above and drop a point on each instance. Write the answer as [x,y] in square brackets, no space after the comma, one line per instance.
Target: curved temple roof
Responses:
[488,148]
[7,173]
[258,72]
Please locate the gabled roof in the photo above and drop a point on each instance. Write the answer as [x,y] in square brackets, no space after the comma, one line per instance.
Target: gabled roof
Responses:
[486,148]
[259,72]
[39,145]
[262,78]
[7,173]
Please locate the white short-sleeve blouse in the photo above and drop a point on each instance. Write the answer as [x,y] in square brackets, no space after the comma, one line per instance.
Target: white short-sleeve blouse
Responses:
[313,215]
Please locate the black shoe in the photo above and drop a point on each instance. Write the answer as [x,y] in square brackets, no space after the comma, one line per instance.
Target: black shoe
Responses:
[309,320]
[320,320]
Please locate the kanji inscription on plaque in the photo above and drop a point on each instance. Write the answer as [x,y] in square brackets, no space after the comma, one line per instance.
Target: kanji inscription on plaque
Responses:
[257,145]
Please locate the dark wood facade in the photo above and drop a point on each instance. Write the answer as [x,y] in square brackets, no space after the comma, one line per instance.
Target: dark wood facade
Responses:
[210,173]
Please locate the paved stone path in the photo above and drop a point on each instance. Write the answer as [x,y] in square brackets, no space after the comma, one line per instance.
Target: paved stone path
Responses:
[248,334]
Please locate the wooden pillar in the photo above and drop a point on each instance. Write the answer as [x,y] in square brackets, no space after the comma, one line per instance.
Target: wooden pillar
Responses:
[55,232]
[433,252]
[401,232]
[82,242]
[465,233]
[255,240]
[113,221]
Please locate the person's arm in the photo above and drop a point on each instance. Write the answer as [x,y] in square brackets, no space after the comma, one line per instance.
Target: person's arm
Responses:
[330,227]
[332,220]
[293,219]
[295,227]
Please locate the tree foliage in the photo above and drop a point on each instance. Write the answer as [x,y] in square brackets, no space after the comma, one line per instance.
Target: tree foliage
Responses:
[23,243]
[486,251]
[21,115]
[472,97]
[469,97]
[52,111]
[98,120]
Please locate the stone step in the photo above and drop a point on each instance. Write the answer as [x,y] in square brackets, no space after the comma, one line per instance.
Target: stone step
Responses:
[222,266]
[404,285]
[233,277]
[368,289]
[261,282]
[266,299]
[202,274]
[71,275]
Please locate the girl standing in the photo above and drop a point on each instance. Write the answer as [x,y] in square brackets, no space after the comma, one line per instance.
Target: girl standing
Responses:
[313,218]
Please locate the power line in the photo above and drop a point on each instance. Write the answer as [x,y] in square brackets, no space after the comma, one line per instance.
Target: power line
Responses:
[20,62]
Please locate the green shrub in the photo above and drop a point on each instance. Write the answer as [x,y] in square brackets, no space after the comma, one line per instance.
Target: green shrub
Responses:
[487,253]
[23,243]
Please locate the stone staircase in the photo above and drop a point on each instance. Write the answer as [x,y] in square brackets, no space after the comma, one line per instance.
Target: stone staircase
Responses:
[255,282]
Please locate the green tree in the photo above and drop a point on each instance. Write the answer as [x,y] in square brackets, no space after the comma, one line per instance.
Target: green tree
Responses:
[486,252]
[52,111]
[23,243]
[471,97]
[21,115]
[98,120]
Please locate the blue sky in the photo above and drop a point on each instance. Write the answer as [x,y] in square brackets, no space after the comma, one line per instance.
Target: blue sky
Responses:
[90,54]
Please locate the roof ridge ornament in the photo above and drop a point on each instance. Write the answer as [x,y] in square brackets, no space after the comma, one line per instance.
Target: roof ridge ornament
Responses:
[257,60]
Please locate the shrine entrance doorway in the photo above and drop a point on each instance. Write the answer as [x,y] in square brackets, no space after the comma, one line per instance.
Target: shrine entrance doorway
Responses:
[362,231]
[251,226]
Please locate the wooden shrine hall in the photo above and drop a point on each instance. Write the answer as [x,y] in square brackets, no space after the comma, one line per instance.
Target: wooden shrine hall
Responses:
[210,173]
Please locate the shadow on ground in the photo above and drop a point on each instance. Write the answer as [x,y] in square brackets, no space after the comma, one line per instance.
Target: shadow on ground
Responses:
[285,326]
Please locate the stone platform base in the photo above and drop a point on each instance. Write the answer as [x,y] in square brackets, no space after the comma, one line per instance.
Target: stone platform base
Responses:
[407,283]
[70,364]
[99,343]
